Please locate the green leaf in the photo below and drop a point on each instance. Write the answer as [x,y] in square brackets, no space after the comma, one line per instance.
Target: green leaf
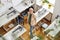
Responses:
[59,21]
[46,1]
[40,37]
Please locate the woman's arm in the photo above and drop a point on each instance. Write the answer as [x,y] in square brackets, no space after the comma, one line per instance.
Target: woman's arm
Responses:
[35,18]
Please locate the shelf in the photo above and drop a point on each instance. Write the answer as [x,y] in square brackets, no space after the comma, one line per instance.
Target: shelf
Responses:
[39,17]
[9,35]
[5,8]
[55,31]
[21,7]
[49,9]
[4,19]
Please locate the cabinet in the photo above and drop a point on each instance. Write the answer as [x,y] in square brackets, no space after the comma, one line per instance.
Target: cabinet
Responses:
[9,25]
[48,17]
[2,31]
[53,34]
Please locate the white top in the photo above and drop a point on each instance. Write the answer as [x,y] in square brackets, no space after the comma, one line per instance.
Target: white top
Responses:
[17,33]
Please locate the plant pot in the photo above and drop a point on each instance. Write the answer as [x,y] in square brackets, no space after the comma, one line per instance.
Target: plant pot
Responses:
[49,6]
[43,2]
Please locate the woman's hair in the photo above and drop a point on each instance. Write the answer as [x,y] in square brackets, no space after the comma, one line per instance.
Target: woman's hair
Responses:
[31,7]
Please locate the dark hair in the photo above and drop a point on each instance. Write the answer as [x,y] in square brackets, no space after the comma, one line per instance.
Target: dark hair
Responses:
[31,7]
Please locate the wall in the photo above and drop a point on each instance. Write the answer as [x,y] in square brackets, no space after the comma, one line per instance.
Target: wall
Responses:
[56,9]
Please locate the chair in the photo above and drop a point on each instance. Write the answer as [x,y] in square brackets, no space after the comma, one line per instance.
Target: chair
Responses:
[20,20]
[23,14]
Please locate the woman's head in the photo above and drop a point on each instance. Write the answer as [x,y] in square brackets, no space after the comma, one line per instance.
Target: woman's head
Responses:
[31,10]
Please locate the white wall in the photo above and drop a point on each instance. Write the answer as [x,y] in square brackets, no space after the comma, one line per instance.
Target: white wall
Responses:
[56,9]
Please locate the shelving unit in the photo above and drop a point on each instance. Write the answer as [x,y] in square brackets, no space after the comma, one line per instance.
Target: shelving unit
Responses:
[20,7]
[52,34]
[17,32]
[5,8]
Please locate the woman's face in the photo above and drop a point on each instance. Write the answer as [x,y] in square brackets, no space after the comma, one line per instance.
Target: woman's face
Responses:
[31,10]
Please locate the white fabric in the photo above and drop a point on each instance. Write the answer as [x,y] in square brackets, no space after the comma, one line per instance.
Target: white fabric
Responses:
[44,25]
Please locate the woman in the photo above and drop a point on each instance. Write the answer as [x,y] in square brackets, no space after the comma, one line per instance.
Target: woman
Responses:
[31,20]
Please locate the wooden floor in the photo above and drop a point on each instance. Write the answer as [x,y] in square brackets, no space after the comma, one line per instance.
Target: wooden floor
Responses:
[2,31]
[38,31]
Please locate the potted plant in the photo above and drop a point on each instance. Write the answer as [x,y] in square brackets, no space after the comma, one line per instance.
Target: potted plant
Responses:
[45,1]
[47,31]
[19,38]
[40,37]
